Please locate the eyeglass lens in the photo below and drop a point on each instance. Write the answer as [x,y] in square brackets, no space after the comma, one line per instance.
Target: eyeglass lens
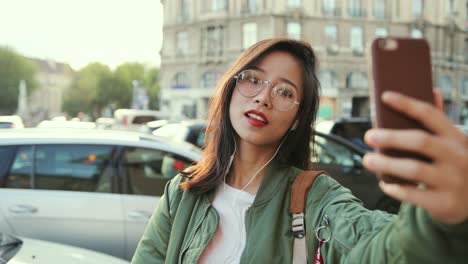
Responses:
[250,82]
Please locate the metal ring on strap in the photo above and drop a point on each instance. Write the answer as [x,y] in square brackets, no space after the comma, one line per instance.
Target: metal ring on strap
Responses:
[317,234]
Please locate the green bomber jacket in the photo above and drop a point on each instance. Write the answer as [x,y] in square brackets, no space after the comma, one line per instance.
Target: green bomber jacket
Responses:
[183,224]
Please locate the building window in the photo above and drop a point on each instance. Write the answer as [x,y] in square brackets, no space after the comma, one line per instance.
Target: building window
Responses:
[182,43]
[212,41]
[381,32]
[209,79]
[294,30]
[416,33]
[294,3]
[445,85]
[448,7]
[356,39]
[249,7]
[329,8]
[466,50]
[417,8]
[185,10]
[218,5]
[354,8]
[464,86]
[356,80]
[181,81]
[328,79]
[331,38]
[249,35]
[379,9]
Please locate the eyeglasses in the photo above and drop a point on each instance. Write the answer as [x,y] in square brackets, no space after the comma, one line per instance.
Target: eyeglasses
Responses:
[283,96]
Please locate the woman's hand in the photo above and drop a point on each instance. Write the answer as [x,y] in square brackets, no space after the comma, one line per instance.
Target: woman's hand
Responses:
[445,180]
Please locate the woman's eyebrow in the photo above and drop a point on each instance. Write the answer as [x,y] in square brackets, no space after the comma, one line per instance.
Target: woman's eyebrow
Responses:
[282,79]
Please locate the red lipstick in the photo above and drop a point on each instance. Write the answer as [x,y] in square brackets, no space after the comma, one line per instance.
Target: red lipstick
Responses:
[256,118]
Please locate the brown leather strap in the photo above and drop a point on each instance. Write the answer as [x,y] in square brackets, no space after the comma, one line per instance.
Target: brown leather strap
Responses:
[300,187]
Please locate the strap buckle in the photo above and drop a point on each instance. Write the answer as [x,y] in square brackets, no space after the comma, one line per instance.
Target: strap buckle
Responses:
[298,225]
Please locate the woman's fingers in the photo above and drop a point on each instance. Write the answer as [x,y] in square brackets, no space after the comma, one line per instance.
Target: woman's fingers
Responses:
[432,118]
[414,140]
[438,99]
[408,169]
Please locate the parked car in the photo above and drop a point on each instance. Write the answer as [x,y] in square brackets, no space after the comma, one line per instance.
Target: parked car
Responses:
[19,250]
[192,131]
[133,119]
[151,126]
[93,189]
[342,160]
[352,129]
[66,124]
[11,121]
[104,122]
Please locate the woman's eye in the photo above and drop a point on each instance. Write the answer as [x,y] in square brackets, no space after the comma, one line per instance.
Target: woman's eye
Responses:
[285,93]
[254,80]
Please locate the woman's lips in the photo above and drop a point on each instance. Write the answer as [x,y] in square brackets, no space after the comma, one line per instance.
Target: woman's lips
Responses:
[256,118]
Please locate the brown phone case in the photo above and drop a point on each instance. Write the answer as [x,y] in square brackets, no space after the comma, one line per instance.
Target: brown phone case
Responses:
[402,65]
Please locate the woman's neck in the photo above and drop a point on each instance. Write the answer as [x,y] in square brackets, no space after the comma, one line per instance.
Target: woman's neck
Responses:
[248,160]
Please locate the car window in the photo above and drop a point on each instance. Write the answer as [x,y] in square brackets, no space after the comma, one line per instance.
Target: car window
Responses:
[6,125]
[6,155]
[201,139]
[330,152]
[86,168]
[143,119]
[148,170]
[20,173]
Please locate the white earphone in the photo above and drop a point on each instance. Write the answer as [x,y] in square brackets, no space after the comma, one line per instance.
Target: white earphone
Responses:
[294,126]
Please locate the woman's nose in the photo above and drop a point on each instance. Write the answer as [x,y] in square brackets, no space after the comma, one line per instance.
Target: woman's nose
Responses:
[263,97]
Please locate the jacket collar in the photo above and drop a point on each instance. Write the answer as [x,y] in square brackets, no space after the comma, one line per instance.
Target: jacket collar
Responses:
[276,173]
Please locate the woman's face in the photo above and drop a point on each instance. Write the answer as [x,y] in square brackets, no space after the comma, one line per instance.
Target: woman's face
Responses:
[255,118]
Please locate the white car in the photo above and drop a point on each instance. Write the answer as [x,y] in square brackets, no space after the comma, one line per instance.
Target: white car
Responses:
[134,119]
[93,189]
[11,121]
[19,250]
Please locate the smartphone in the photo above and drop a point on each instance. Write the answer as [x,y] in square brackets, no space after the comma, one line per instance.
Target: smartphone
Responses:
[402,65]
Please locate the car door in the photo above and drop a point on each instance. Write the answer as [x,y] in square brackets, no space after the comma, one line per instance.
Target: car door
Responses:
[71,201]
[145,173]
[345,166]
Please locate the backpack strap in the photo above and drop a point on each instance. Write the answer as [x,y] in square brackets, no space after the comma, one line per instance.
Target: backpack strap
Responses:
[297,204]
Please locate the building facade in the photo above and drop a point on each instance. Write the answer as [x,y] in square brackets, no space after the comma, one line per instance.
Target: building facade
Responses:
[54,79]
[202,39]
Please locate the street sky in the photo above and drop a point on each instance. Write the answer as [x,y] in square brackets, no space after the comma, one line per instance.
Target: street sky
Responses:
[78,32]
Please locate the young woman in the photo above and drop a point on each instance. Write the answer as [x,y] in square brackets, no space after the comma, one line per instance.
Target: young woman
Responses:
[232,207]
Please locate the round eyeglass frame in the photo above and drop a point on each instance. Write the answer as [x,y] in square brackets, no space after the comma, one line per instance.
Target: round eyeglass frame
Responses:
[263,83]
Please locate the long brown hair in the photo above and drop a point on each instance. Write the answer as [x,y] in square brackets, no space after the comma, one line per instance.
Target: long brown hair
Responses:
[208,173]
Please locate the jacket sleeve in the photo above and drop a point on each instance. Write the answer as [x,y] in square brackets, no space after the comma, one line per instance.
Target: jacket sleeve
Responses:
[153,244]
[358,235]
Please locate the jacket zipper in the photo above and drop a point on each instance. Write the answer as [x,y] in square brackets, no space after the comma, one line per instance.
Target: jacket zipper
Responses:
[245,230]
[194,233]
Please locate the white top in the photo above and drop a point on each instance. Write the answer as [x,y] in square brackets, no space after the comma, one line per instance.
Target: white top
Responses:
[229,239]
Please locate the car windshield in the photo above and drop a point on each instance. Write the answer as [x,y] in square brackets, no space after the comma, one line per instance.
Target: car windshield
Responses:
[9,245]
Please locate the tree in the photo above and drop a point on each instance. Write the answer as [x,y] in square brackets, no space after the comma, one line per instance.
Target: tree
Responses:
[83,93]
[97,88]
[13,68]
[117,90]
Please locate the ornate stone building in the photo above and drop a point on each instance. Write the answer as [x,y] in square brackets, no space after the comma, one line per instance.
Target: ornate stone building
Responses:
[203,37]
[54,79]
